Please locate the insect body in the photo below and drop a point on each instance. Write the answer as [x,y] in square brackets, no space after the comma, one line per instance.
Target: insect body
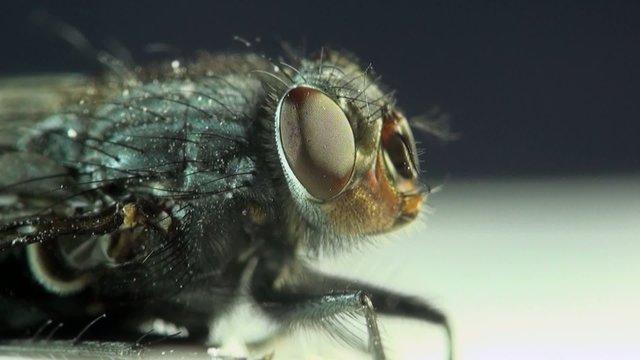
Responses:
[170,191]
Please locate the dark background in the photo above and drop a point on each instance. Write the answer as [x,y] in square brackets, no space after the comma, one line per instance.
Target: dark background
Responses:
[534,88]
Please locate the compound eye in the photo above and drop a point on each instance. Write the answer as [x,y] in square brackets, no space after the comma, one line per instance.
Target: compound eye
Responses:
[399,152]
[317,141]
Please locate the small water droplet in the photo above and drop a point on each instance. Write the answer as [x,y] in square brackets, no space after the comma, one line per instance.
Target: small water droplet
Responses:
[72,133]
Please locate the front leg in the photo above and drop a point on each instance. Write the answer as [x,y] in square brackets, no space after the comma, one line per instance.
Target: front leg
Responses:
[294,311]
[301,297]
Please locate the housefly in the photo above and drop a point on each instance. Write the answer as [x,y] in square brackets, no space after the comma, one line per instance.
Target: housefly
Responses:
[168,192]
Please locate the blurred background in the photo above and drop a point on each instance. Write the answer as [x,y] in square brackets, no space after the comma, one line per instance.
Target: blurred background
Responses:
[532,244]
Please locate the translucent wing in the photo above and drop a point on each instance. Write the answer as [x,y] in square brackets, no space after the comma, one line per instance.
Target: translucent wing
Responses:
[27,99]
[133,231]
[27,179]
[41,199]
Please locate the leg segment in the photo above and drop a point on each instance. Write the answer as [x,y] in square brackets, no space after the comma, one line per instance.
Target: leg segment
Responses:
[309,298]
[325,311]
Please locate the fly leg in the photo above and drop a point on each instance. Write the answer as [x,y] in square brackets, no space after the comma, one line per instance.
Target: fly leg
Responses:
[295,311]
[308,298]
[387,302]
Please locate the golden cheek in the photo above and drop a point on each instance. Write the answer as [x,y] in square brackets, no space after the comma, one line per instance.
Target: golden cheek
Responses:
[411,205]
[372,206]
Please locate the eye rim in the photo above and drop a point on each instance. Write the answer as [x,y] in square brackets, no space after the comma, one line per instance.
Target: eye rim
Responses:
[294,181]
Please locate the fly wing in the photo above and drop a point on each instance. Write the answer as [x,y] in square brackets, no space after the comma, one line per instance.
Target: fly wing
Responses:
[168,162]
[30,182]
[42,200]
[27,99]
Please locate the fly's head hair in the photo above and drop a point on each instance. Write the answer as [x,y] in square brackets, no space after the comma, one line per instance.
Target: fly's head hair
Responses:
[345,150]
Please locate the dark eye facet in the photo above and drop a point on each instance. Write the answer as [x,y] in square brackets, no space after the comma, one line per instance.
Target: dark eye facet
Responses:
[399,151]
[317,141]
[401,157]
